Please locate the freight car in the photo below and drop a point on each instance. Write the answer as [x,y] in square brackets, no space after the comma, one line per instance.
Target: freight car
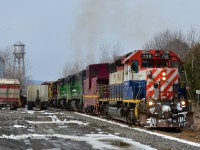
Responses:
[10,93]
[37,96]
[143,87]
[50,94]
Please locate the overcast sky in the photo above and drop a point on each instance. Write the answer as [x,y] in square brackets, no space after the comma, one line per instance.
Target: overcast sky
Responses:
[57,32]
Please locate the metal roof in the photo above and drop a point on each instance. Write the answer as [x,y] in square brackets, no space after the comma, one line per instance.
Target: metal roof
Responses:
[9,81]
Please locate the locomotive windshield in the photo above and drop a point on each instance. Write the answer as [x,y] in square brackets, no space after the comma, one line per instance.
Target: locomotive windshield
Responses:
[154,64]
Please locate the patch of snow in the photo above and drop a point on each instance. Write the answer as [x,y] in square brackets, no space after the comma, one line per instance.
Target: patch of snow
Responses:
[62,127]
[31,130]
[55,119]
[69,117]
[48,113]
[77,122]
[97,141]
[18,126]
[30,111]
[101,132]
[27,142]
[60,113]
[98,129]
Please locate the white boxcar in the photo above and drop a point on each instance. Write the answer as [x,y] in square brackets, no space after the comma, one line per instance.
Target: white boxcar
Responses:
[37,95]
[9,93]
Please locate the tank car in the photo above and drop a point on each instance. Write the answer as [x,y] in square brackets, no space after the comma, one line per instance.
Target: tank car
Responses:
[145,88]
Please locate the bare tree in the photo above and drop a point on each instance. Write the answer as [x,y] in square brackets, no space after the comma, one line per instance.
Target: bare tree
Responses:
[8,57]
[170,40]
[104,55]
[193,37]
[177,41]
[117,50]
[108,53]
[71,68]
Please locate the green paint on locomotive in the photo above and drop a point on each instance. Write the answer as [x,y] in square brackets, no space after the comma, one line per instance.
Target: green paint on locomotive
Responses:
[74,91]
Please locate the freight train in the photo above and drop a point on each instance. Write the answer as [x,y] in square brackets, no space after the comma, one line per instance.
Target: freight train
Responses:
[145,87]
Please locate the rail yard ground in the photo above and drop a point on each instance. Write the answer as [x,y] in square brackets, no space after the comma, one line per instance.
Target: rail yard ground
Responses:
[57,129]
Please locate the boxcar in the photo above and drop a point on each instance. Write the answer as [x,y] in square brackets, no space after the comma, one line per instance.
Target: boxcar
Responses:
[9,93]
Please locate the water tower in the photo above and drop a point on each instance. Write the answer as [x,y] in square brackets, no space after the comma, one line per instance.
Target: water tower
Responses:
[19,60]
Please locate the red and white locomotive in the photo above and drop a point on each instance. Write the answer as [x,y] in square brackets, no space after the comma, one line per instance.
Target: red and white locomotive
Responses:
[145,87]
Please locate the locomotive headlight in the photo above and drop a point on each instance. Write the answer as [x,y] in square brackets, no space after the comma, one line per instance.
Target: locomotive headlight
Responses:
[150,103]
[164,78]
[164,74]
[183,103]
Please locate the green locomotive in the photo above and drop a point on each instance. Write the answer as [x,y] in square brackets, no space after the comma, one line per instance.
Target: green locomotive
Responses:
[74,96]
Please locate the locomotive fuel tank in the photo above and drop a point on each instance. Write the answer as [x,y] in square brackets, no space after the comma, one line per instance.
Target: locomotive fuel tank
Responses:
[117,113]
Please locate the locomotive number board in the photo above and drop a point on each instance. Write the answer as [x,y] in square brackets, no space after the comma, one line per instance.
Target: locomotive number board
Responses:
[146,56]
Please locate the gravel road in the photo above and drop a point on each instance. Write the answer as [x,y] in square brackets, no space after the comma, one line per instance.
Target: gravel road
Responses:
[56,129]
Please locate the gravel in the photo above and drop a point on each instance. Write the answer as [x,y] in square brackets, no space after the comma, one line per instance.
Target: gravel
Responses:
[141,137]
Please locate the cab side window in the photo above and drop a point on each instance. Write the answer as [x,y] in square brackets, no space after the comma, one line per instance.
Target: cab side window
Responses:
[135,66]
